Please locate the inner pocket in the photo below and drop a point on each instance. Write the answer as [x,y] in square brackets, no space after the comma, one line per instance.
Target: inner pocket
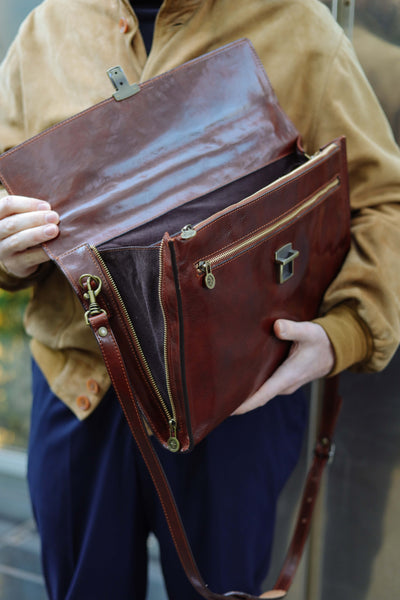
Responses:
[205,206]
[135,272]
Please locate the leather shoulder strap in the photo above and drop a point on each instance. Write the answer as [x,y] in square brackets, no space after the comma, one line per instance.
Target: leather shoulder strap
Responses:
[331,406]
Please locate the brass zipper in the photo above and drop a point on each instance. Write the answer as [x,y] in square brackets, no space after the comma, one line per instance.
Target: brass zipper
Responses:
[205,266]
[189,231]
[173,443]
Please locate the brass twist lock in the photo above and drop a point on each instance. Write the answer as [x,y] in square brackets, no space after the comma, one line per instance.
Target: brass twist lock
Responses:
[284,258]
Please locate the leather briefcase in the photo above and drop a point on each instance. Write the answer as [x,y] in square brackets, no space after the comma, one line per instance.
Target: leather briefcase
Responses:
[190,220]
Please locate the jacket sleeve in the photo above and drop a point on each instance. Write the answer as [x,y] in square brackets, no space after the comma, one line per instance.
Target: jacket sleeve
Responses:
[12,113]
[13,132]
[10,282]
[361,309]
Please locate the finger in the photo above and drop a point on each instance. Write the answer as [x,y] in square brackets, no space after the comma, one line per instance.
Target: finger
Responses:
[311,356]
[285,380]
[28,238]
[26,263]
[301,331]
[10,205]
[27,220]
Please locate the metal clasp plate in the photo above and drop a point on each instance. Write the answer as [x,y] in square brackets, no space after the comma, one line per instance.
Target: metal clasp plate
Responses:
[284,258]
[121,84]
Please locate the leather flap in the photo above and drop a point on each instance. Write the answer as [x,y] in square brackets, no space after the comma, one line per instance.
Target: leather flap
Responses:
[185,133]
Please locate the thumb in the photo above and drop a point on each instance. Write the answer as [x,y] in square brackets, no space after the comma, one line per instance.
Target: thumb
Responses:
[292,330]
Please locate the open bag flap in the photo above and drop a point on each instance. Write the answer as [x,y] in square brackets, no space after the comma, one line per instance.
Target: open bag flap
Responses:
[185,133]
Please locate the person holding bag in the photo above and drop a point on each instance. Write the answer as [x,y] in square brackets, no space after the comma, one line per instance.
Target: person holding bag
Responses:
[88,512]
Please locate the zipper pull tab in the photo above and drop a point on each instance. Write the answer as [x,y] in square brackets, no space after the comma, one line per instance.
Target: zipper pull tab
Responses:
[173,442]
[188,232]
[311,156]
[209,279]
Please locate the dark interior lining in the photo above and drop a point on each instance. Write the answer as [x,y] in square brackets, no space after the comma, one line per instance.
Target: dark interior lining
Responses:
[203,207]
[136,274]
[133,258]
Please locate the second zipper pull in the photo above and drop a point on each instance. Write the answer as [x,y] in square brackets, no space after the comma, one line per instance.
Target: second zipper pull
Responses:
[209,280]
[173,442]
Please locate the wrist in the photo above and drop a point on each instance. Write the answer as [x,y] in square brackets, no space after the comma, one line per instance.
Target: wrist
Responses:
[349,336]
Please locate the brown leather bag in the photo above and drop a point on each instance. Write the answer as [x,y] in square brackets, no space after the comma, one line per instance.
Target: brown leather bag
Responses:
[191,219]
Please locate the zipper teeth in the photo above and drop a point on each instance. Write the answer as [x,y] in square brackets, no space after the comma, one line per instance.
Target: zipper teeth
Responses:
[145,363]
[165,339]
[267,230]
[278,182]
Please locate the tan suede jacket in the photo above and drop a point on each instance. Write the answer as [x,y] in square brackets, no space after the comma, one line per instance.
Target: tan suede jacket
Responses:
[57,66]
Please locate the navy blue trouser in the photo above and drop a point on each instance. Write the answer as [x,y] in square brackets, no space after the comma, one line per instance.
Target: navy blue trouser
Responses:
[94,502]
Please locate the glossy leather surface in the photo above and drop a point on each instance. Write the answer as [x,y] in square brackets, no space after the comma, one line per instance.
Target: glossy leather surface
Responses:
[226,345]
[121,164]
[189,137]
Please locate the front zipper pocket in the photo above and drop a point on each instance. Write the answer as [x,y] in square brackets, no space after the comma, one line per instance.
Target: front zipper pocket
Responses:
[164,305]
[270,256]
[205,266]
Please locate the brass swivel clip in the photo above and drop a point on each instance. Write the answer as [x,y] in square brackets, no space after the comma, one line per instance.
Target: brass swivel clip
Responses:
[86,282]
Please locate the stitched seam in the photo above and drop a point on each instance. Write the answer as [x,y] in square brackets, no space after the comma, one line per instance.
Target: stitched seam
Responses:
[147,84]
[272,233]
[281,186]
[115,308]
[125,326]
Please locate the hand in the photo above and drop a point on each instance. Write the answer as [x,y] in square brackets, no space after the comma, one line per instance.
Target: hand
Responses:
[311,356]
[25,223]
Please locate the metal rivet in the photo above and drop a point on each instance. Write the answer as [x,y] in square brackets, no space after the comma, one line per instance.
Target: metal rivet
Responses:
[102,331]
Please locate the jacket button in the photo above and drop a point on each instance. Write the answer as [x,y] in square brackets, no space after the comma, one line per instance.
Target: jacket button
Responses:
[92,386]
[83,402]
[123,25]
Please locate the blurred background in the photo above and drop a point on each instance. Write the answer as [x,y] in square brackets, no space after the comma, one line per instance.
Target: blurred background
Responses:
[14,357]
[20,571]
[354,549]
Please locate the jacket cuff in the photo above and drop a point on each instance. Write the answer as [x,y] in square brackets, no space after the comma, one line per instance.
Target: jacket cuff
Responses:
[11,283]
[351,340]
[7,281]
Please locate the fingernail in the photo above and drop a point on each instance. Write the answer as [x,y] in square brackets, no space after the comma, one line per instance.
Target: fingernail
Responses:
[52,217]
[50,230]
[282,329]
[43,205]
